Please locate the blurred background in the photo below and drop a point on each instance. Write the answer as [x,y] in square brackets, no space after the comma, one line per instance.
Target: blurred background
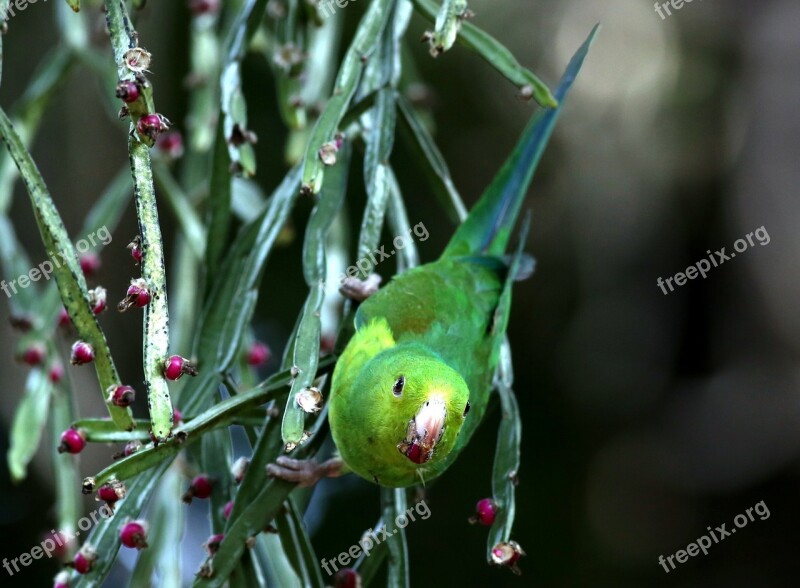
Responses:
[647,417]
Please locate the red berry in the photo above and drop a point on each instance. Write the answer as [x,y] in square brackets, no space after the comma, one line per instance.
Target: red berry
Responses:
[227,510]
[152,125]
[90,264]
[201,487]
[128,91]
[346,578]
[212,544]
[63,318]
[138,295]
[82,353]
[258,354]
[33,355]
[170,144]
[134,535]
[121,395]
[56,373]
[72,441]
[84,560]
[176,366]
[60,541]
[97,299]
[485,512]
[201,7]
[61,580]
[111,492]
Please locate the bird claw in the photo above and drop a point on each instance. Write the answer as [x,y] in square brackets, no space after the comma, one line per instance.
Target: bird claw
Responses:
[304,473]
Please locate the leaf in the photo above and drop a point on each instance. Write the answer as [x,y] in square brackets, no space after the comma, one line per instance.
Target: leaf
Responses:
[448,23]
[67,476]
[69,276]
[393,501]
[74,4]
[29,423]
[494,53]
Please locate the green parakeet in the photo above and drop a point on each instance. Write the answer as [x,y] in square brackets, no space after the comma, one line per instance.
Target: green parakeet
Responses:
[414,381]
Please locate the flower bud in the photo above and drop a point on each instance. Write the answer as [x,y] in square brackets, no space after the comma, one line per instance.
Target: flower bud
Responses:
[61,580]
[310,400]
[201,487]
[121,395]
[90,264]
[152,125]
[226,512]
[485,512]
[97,299]
[63,318]
[82,353]
[138,295]
[135,247]
[84,560]
[170,145]
[134,534]
[176,366]
[128,91]
[213,542]
[346,578]
[258,354]
[72,441]
[239,469]
[33,355]
[202,7]
[507,554]
[111,492]
[56,373]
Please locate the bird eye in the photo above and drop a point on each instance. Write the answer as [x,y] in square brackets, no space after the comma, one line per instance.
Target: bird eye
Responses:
[397,389]
[466,409]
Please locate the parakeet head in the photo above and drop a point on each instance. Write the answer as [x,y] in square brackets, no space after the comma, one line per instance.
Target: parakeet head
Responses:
[410,406]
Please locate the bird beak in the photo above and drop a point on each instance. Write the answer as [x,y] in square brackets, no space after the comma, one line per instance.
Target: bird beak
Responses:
[424,431]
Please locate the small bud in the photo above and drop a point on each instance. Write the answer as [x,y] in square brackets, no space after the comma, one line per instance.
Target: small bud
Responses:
[240,136]
[111,492]
[327,153]
[21,322]
[310,400]
[485,512]
[134,534]
[213,542]
[61,580]
[507,554]
[131,447]
[170,145]
[203,7]
[347,578]
[200,488]
[121,395]
[56,373]
[90,264]
[61,541]
[82,353]
[152,125]
[177,417]
[84,559]
[128,91]
[226,512]
[33,355]
[258,354]
[137,59]
[239,469]
[63,318]
[176,366]
[525,93]
[138,295]
[72,441]
[135,247]
[97,299]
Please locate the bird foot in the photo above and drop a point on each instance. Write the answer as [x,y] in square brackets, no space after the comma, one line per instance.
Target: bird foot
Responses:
[359,290]
[304,473]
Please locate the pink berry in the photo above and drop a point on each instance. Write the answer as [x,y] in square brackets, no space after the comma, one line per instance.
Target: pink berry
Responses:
[128,91]
[135,247]
[111,492]
[134,535]
[213,542]
[63,318]
[176,366]
[226,512]
[56,373]
[33,355]
[82,353]
[90,264]
[72,441]
[84,560]
[97,299]
[201,7]
[121,395]
[258,354]
[485,512]
[152,125]
[170,144]
[346,578]
[201,487]
[138,295]
[177,417]
[61,580]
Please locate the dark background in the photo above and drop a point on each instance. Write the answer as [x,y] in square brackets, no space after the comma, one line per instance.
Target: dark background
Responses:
[646,417]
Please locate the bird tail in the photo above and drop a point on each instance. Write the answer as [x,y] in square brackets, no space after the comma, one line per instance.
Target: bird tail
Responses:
[488,227]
